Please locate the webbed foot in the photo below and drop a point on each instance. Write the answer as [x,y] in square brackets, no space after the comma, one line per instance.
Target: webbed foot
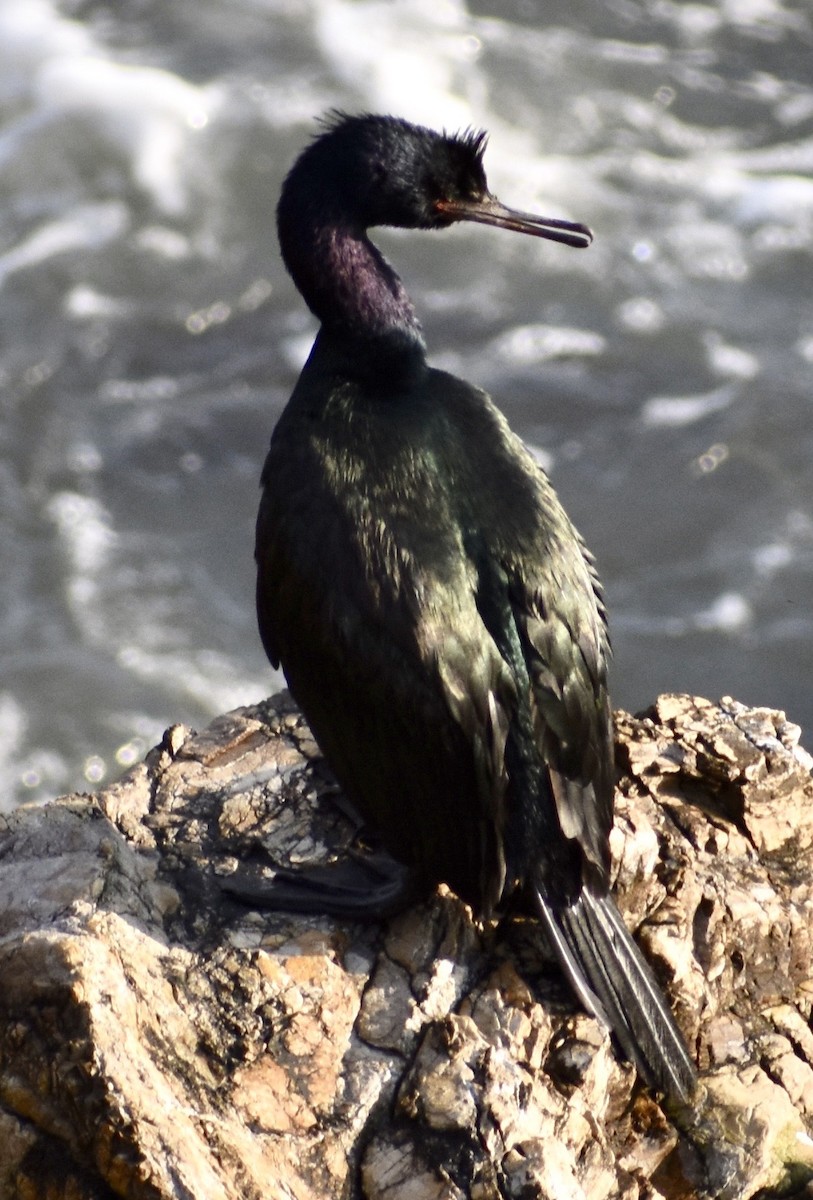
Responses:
[365,887]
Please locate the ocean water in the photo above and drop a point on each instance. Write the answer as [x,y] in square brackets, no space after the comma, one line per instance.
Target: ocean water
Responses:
[149,335]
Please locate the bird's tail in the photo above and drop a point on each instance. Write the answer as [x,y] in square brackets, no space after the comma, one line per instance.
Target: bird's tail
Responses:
[609,975]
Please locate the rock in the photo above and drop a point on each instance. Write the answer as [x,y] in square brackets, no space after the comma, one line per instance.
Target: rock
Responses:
[159,1040]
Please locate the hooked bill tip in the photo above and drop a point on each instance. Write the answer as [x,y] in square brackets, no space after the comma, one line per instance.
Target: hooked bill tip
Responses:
[570,233]
[582,237]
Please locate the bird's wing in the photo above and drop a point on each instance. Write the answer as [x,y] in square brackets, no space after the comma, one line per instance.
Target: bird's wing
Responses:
[542,610]
[562,631]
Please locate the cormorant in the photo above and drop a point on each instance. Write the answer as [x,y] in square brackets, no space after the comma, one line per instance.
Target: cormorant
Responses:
[438,618]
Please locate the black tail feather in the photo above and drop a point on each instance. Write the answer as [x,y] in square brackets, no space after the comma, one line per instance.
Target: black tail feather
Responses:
[613,981]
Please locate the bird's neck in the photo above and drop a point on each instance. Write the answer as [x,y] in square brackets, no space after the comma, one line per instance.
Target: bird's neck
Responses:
[348,284]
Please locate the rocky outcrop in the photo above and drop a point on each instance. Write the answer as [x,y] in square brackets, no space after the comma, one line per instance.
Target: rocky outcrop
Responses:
[158,1039]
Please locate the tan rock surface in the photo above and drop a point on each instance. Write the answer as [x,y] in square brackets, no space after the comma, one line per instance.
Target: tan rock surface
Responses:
[159,1040]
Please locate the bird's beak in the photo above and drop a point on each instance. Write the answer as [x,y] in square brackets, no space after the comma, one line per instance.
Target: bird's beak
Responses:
[489,211]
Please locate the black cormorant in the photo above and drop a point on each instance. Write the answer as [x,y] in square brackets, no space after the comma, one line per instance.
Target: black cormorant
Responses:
[438,618]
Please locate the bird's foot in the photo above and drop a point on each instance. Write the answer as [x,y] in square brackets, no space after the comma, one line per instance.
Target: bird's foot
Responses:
[365,887]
